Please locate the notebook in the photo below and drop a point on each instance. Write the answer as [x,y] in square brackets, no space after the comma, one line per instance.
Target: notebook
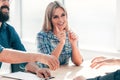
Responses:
[22,76]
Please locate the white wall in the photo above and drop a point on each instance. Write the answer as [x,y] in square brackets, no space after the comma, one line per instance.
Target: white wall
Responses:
[32,18]
[94,22]
[97,22]
[15,15]
[118,24]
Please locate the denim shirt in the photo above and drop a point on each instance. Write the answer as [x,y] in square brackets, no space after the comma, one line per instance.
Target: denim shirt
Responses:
[47,42]
[1,48]
[10,39]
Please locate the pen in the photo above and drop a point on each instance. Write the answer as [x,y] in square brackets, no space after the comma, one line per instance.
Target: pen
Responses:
[48,78]
[51,77]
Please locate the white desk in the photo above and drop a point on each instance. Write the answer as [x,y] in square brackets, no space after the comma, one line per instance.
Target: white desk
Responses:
[71,71]
[68,72]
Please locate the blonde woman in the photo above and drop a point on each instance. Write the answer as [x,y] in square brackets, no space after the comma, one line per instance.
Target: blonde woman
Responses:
[56,38]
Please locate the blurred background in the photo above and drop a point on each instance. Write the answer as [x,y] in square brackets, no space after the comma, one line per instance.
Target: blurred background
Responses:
[96,22]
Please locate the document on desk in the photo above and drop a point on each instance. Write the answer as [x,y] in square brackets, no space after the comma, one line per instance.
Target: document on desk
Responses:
[22,76]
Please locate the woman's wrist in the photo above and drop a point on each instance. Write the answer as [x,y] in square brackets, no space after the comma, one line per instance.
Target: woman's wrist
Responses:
[74,45]
[61,43]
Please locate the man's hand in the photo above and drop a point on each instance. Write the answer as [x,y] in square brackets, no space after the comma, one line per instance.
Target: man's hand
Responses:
[79,78]
[101,61]
[97,59]
[43,73]
[49,60]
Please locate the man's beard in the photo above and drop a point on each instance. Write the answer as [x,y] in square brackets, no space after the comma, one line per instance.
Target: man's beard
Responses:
[4,16]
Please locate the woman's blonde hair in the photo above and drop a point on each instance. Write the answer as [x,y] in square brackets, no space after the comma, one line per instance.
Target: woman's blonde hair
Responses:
[47,26]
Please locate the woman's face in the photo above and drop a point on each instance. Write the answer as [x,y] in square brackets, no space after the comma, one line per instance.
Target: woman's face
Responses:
[59,19]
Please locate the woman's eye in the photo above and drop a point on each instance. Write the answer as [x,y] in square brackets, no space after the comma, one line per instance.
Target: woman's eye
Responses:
[63,14]
[55,17]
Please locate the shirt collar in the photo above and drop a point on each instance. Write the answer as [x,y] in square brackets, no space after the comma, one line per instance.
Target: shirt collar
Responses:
[3,26]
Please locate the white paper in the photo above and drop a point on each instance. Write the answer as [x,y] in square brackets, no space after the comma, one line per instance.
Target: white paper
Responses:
[23,76]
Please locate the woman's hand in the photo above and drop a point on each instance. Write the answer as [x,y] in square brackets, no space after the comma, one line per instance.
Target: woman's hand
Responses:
[61,35]
[72,38]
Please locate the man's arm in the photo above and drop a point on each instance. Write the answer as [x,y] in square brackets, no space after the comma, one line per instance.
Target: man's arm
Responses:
[118,61]
[14,56]
[97,62]
[7,55]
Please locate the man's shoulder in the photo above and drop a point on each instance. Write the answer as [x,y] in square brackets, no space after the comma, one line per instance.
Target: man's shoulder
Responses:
[8,26]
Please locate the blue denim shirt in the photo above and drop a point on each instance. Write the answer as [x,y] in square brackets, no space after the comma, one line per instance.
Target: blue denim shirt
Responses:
[10,39]
[1,48]
[47,42]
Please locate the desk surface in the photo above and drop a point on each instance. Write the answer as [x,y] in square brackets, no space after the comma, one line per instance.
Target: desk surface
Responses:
[68,72]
